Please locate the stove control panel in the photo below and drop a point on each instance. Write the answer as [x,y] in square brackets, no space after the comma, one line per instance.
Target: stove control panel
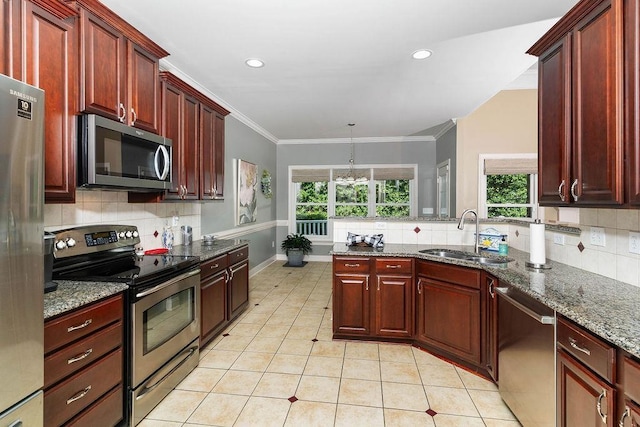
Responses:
[94,238]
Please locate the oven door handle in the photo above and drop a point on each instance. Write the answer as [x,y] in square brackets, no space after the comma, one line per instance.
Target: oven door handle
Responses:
[167,284]
[190,352]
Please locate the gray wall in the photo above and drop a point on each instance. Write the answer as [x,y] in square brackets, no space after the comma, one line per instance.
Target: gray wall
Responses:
[242,142]
[446,149]
[422,153]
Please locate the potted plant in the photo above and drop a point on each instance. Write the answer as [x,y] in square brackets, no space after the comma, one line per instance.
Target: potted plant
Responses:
[296,246]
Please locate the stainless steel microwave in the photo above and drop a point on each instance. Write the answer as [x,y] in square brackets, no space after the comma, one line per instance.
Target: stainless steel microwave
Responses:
[117,156]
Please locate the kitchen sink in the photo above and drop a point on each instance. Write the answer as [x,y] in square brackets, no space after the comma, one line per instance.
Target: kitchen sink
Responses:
[466,256]
[445,254]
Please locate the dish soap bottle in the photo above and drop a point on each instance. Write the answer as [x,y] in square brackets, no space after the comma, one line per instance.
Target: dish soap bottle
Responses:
[167,237]
[503,247]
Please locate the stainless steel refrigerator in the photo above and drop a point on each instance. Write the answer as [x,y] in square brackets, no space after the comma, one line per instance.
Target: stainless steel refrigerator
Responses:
[21,253]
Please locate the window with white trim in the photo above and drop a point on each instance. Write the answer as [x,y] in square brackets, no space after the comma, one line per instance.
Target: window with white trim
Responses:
[508,186]
[387,192]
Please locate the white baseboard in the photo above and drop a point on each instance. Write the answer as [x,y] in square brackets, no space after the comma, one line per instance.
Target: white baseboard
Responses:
[258,268]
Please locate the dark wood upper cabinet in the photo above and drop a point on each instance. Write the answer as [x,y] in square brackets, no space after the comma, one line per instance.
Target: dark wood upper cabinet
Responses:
[581,132]
[119,68]
[43,33]
[632,97]
[211,153]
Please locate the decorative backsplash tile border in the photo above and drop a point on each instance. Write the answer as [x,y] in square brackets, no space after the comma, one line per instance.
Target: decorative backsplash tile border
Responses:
[111,207]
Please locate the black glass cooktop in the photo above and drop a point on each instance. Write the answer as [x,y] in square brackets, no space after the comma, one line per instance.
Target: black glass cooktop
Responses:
[128,268]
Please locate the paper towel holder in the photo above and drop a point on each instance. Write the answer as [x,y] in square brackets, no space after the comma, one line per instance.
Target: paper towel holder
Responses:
[537,266]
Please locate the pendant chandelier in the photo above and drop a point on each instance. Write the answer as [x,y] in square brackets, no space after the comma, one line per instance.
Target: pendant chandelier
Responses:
[350,178]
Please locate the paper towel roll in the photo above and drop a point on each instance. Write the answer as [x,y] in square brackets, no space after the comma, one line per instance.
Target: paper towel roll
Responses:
[536,243]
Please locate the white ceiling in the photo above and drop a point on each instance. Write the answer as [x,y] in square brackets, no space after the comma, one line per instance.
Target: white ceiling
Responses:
[332,62]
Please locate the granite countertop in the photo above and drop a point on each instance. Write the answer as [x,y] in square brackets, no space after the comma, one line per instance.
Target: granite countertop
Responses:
[74,294]
[605,306]
[206,252]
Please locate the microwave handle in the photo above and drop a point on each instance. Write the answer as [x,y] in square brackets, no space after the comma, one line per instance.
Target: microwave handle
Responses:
[165,155]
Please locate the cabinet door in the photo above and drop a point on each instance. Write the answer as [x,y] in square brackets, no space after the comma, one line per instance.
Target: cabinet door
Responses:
[491,325]
[207,152]
[171,119]
[103,71]
[448,318]
[238,288]
[190,153]
[584,399]
[597,107]
[213,305]
[143,87]
[49,57]
[393,305]
[632,118]
[218,153]
[554,124]
[351,304]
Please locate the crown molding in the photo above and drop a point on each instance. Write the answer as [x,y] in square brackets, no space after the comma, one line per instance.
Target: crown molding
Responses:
[449,125]
[360,140]
[168,66]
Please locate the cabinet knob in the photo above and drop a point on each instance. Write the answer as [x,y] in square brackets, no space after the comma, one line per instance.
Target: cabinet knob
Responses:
[122,116]
[560,193]
[603,417]
[624,415]
[573,190]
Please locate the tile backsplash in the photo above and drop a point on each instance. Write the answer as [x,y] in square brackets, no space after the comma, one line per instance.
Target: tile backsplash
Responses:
[611,260]
[111,207]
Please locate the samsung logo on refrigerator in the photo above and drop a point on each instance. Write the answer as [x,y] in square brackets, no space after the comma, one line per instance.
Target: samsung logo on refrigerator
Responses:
[23,95]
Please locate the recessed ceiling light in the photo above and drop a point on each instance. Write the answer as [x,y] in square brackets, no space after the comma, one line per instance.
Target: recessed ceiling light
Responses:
[421,54]
[254,63]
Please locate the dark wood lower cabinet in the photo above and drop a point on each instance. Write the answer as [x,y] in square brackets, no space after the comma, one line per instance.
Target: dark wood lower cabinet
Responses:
[224,291]
[448,318]
[584,399]
[394,317]
[238,288]
[351,305]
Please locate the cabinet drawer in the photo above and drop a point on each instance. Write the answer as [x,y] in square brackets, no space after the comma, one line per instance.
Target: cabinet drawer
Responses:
[67,399]
[81,323]
[631,378]
[394,265]
[450,273]
[239,255]
[598,355]
[351,265]
[75,357]
[212,266]
[106,411]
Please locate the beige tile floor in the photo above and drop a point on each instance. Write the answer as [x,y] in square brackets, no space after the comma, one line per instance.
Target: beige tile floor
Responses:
[278,366]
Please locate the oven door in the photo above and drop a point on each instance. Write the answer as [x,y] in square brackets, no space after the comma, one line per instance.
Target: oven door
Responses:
[165,319]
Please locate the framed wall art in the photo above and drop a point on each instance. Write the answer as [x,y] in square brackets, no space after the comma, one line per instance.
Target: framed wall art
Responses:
[247,196]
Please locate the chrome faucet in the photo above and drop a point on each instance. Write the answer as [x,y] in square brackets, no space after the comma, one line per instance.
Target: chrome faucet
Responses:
[461,227]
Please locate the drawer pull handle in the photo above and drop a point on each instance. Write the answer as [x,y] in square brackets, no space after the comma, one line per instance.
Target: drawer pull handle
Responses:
[492,293]
[393,266]
[352,265]
[82,325]
[78,396]
[573,190]
[573,343]
[625,414]
[215,266]
[80,357]
[599,406]
[366,283]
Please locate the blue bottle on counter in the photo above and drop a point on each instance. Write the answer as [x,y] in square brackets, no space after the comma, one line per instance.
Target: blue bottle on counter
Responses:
[503,247]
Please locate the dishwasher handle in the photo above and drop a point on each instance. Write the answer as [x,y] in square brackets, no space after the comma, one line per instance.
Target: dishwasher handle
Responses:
[545,320]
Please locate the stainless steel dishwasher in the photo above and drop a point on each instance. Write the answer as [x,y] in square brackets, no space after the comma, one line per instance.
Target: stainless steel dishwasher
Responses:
[526,358]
